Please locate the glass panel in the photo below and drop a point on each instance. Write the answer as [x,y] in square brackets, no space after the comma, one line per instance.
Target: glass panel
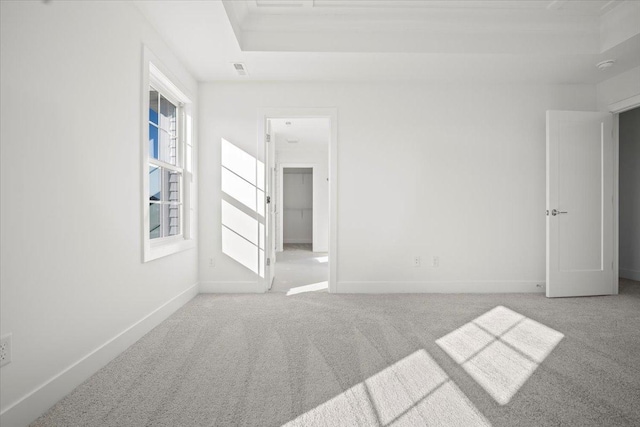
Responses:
[167,115]
[171,219]
[154,220]
[168,149]
[153,106]
[154,182]
[170,186]
[153,141]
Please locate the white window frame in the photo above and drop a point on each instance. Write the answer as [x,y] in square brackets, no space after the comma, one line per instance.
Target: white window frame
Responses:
[155,75]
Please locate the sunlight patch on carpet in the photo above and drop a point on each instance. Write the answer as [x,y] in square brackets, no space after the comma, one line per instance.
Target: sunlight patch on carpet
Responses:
[500,350]
[314,287]
[412,391]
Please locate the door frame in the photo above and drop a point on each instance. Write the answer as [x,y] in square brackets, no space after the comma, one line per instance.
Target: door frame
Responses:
[309,112]
[616,108]
[280,173]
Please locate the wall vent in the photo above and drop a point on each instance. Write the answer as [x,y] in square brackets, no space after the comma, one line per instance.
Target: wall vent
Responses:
[292,141]
[240,68]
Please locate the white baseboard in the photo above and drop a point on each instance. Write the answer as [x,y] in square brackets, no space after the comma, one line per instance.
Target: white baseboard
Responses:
[231,287]
[38,401]
[476,287]
[297,241]
[627,273]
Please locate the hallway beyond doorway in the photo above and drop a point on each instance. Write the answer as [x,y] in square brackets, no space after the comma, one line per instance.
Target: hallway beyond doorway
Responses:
[298,269]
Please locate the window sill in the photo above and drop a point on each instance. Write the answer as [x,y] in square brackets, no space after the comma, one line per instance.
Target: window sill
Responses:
[158,249]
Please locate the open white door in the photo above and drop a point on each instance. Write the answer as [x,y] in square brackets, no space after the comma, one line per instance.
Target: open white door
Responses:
[579,203]
[271,205]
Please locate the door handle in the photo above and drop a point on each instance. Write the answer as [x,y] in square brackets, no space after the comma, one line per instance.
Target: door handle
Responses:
[557,212]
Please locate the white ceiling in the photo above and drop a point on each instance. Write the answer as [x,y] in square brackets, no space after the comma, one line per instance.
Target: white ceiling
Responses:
[595,7]
[311,134]
[550,41]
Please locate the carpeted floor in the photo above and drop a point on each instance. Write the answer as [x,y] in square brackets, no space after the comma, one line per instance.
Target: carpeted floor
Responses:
[322,359]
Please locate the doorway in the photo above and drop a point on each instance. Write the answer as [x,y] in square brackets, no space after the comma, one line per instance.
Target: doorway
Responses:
[629,198]
[296,227]
[299,220]
[593,179]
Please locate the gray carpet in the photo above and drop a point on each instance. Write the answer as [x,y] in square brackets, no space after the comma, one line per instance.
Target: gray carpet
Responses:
[322,359]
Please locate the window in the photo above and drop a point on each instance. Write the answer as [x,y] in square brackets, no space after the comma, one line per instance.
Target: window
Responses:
[165,166]
[167,175]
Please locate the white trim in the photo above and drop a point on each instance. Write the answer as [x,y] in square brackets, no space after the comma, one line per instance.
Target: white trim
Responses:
[454,287]
[625,104]
[162,83]
[305,112]
[616,108]
[212,287]
[630,274]
[39,400]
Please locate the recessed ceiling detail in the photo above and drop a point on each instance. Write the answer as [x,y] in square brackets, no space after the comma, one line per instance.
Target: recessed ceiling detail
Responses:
[372,41]
[419,26]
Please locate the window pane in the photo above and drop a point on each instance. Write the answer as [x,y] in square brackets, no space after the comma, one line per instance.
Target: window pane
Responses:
[153,141]
[154,182]
[153,106]
[167,147]
[171,219]
[154,220]
[170,186]
[167,115]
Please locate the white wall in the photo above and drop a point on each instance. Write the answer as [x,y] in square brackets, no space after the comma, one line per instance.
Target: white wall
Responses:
[630,194]
[297,201]
[72,276]
[452,171]
[623,86]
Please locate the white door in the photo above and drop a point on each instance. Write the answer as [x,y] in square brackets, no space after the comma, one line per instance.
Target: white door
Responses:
[271,206]
[579,203]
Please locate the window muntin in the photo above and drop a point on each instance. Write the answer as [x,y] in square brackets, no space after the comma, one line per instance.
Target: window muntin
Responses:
[165,167]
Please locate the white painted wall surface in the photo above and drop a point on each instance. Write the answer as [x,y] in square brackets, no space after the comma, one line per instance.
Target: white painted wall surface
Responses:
[618,88]
[454,171]
[72,276]
[630,194]
[297,207]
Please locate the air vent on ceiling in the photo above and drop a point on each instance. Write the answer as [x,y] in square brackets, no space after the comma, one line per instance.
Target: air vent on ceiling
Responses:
[240,68]
[605,64]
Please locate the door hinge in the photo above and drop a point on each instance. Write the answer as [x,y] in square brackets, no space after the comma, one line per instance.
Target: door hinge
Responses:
[268,199]
[268,138]
[547,212]
[268,262]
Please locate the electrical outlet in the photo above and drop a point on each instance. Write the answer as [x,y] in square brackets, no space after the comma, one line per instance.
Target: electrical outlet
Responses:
[416,261]
[212,262]
[5,350]
[435,263]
